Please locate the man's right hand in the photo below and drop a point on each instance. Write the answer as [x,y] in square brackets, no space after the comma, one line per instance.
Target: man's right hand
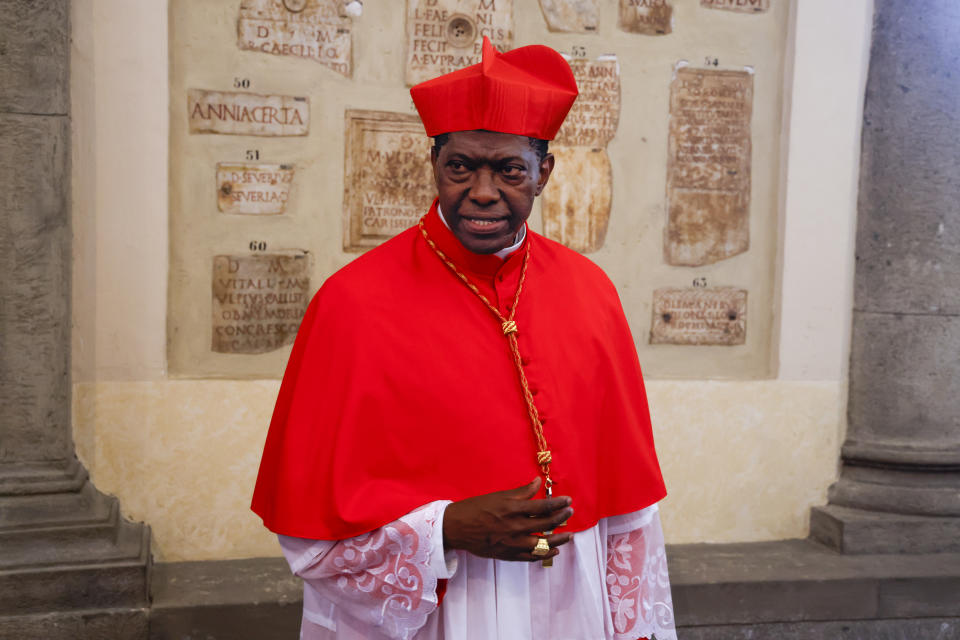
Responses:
[501,524]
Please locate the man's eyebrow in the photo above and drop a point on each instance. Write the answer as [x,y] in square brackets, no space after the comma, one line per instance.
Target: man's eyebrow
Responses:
[457,155]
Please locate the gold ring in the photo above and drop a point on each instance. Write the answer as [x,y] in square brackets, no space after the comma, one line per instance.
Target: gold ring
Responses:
[542,548]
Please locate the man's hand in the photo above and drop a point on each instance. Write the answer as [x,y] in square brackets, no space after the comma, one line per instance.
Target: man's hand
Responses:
[501,524]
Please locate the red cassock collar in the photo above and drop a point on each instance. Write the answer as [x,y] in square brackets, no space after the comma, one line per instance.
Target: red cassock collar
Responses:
[400,390]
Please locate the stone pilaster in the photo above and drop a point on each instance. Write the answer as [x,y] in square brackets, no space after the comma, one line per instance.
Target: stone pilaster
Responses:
[63,546]
[899,489]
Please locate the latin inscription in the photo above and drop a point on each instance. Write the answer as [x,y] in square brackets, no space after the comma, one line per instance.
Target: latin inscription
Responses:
[695,316]
[708,166]
[647,17]
[318,30]
[577,201]
[258,301]
[253,188]
[593,120]
[446,35]
[571,16]
[389,182]
[250,114]
[743,6]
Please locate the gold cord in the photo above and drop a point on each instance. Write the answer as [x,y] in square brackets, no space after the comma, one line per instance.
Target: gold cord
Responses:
[510,330]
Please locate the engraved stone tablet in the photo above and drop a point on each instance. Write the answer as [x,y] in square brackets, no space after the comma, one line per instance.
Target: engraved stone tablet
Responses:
[258,301]
[445,35]
[573,16]
[253,188]
[695,316]
[318,30]
[743,6]
[576,201]
[592,121]
[389,182]
[247,114]
[708,167]
[649,17]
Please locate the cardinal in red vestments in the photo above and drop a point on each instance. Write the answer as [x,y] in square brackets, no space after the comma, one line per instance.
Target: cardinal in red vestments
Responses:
[461,448]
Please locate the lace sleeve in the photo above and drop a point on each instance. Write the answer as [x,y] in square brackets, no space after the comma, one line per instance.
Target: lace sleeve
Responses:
[638,585]
[384,578]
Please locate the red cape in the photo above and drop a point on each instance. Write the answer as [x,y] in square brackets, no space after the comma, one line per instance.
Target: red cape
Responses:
[400,390]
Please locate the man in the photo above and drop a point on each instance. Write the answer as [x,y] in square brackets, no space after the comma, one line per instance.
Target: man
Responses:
[437,373]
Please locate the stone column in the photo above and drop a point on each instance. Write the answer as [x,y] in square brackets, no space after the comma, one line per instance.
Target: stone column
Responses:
[899,489]
[63,546]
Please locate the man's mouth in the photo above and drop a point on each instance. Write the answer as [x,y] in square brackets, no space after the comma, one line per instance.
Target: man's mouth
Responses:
[485,225]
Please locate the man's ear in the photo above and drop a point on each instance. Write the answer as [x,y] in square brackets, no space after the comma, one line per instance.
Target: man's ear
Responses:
[433,163]
[546,168]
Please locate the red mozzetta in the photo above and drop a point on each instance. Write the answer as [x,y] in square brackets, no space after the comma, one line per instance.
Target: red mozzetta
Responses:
[400,390]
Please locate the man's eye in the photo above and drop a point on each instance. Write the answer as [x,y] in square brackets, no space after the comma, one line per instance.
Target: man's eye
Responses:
[456,165]
[512,170]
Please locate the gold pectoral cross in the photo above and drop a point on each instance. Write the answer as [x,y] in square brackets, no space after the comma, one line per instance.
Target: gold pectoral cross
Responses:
[548,562]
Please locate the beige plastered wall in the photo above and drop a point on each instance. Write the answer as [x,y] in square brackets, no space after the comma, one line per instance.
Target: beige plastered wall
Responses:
[743,459]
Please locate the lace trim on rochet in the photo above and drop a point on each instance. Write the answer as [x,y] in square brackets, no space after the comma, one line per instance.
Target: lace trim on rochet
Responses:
[638,585]
[391,566]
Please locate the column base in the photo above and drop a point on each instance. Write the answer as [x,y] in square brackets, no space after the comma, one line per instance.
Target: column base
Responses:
[67,550]
[22,478]
[898,480]
[855,531]
[893,499]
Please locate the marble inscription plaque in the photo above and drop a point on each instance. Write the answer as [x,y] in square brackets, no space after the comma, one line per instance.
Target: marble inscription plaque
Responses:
[318,30]
[716,316]
[743,6]
[593,120]
[577,201]
[388,179]
[647,17]
[708,166]
[253,188]
[445,35]
[258,301]
[247,114]
[571,16]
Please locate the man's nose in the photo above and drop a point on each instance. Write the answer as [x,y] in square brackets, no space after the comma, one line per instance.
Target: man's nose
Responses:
[484,191]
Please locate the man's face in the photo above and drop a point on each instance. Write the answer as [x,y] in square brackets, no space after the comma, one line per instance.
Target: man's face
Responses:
[487,182]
